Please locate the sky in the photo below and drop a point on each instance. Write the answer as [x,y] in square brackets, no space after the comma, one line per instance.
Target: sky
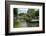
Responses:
[22,10]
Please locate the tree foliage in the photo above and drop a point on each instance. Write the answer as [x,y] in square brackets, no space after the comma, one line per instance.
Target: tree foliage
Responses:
[37,13]
[31,12]
[15,11]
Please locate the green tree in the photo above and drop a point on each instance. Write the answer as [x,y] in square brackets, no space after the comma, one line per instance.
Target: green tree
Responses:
[15,10]
[31,12]
[37,13]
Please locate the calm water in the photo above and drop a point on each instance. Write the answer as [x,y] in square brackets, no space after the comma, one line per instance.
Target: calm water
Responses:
[25,24]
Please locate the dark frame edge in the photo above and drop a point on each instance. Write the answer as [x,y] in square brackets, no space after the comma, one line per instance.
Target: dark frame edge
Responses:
[6,19]
[43,17]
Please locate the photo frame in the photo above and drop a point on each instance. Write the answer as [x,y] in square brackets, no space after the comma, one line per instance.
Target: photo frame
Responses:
[24,17]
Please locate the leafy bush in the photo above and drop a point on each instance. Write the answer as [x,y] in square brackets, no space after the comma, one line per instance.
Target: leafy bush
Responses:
[17,23]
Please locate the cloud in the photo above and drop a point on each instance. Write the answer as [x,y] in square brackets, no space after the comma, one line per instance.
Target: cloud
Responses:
[22,10]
